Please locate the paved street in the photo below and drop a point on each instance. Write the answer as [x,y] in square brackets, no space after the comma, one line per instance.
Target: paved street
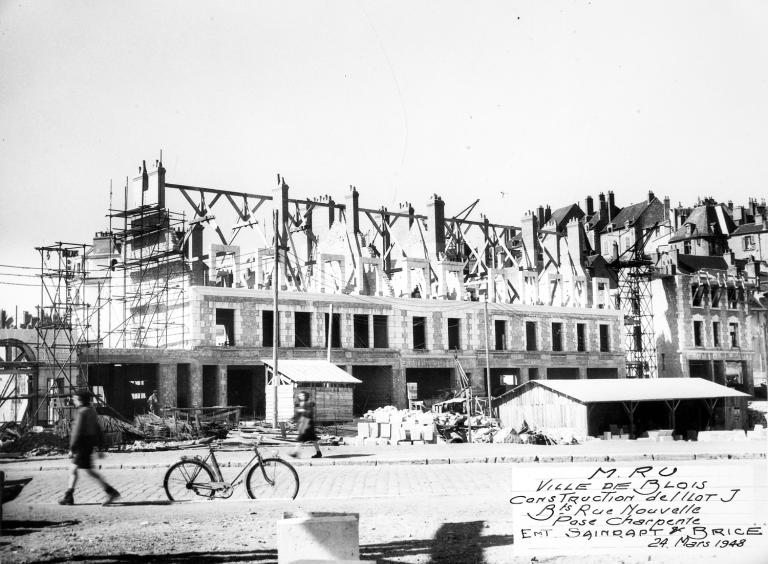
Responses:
[409,512]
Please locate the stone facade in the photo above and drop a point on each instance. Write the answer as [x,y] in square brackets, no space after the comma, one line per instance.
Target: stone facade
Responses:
[398,360]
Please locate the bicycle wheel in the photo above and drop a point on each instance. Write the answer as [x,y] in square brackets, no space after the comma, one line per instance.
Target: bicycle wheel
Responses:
[272,479]
[187,480]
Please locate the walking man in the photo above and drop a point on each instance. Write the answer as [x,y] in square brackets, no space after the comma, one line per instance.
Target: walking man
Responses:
[85,436]
[305,425]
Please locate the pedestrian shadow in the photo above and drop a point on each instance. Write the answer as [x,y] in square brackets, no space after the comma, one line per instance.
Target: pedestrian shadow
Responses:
[19,528]
[178,558]
[345,455]
[453,542]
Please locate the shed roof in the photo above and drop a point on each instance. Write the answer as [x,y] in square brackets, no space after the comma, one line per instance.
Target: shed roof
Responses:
[644,389]
[301,371]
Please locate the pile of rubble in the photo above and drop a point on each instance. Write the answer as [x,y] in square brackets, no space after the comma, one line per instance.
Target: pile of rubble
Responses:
[37,442]
[154,427]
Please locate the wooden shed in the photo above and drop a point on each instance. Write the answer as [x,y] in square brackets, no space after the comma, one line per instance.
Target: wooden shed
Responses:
[589,407]
[329,386]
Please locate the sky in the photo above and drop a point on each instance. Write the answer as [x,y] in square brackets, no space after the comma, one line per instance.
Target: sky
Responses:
[515,103]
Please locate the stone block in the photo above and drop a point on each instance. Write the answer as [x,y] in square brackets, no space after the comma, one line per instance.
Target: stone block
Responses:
[318,536]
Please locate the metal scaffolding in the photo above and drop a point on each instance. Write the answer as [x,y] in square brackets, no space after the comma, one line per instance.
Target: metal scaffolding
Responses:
[62,330]
[635,273]
[146,278]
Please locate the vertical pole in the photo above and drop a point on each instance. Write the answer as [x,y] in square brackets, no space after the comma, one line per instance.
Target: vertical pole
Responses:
[275,324]
[330,329]
[125,264]
[487,353]
[469,413]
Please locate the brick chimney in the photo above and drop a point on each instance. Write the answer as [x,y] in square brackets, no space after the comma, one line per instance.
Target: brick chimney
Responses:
[650,196]
[589,205]
[611,205]
[435,224]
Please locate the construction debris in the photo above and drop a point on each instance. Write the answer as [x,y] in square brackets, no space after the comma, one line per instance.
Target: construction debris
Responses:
[14,440]
[151,446]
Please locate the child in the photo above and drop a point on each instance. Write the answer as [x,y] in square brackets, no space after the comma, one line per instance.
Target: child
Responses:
[305,424]
[86,435]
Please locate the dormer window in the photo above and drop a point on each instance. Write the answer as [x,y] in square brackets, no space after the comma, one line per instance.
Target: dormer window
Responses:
[688,229]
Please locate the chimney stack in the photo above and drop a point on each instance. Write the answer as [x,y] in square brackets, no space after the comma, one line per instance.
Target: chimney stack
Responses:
[435,222]
[589,204]
[650,196]
[540,215]
[611,205]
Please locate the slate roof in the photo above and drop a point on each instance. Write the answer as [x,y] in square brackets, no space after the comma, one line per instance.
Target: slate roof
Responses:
[687,264]
[751,228]
[708,222]
[646,213]
[561,216]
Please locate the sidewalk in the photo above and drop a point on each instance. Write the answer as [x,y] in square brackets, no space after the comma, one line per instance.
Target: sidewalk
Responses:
[371,455]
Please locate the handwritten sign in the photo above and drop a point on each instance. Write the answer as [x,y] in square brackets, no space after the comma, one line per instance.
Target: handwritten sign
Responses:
[646,508]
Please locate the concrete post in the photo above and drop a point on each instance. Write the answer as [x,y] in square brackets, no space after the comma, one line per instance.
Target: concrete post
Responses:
[221,387]
[166,385]
[399,391]
[196,383]
[318,538]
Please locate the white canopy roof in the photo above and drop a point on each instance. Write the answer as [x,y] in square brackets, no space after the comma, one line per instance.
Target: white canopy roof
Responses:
[317,371]
[646,389]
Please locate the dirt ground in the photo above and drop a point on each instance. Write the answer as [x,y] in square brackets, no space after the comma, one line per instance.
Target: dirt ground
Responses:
[392,530]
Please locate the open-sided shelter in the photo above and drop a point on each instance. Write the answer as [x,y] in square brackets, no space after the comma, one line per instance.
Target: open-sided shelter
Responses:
[329,386]
[589,407]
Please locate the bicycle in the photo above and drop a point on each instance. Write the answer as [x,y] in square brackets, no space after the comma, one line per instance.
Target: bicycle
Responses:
[196,477]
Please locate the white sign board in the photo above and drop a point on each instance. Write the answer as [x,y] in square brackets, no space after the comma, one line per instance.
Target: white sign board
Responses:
[663,509]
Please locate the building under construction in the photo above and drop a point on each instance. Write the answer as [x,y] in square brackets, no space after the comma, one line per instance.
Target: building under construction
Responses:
[178,296]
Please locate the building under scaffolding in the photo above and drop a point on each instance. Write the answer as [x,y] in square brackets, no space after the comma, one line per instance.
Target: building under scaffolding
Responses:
[177,295]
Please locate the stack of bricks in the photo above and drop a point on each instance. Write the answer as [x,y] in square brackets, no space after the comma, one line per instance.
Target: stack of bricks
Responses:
[396,429]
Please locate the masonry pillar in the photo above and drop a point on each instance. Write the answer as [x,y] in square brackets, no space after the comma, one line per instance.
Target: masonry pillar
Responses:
[196,383]
[582,372]
[166,385]
[371,330]
[221,384]
[399,392]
